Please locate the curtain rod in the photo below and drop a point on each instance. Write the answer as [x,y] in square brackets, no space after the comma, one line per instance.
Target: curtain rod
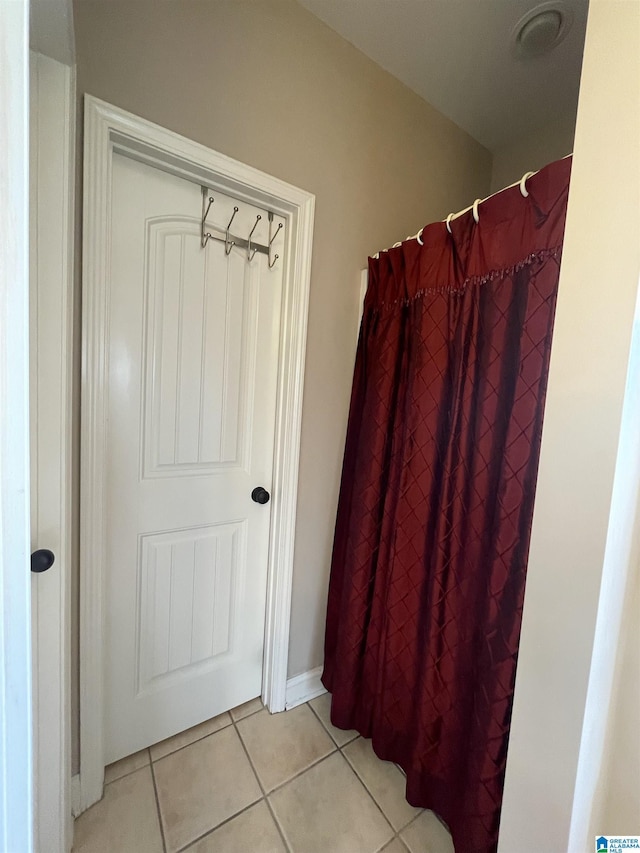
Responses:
[474,207]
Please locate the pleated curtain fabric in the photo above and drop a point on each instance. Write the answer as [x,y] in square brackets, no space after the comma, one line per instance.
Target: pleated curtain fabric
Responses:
[436,501]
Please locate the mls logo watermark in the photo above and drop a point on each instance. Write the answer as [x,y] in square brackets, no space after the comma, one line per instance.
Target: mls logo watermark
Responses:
[616,843]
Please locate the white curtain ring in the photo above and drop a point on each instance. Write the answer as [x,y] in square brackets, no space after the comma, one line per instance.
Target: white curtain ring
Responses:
[523,183]
[448,222]
[419,237]
[476,215]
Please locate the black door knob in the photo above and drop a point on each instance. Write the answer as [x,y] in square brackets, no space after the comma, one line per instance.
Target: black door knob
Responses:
[42,560]
[260,495]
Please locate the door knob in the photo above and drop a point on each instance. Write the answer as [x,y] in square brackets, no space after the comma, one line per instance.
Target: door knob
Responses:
[260,495]
[42,560]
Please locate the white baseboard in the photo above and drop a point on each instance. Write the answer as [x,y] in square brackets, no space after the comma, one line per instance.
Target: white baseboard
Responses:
[301,688]
[76,796]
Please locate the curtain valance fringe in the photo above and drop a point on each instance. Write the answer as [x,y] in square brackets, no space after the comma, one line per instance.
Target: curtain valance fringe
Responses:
[472,281]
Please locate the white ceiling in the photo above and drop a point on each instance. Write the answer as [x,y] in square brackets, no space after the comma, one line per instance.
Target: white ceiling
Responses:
[457,55]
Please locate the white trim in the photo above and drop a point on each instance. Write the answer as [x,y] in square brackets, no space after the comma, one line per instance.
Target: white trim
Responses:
[304,687]
[16,776]
[52,188]
[76,795]
[108,130]
[364,283]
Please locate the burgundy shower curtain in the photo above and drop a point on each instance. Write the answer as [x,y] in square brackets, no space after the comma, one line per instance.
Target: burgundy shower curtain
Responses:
[435,508]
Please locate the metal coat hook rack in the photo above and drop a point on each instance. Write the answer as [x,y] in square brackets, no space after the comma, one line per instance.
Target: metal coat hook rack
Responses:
[225,236]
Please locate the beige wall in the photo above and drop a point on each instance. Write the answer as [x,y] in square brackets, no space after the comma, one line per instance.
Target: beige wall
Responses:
[591,345]
[269,84]
[533,151]
[607,799]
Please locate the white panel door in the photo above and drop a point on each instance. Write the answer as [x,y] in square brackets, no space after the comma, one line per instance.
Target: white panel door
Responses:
[193,348]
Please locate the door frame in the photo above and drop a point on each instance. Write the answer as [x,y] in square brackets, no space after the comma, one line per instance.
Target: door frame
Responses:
[110,130]
[52,156]
[16,776]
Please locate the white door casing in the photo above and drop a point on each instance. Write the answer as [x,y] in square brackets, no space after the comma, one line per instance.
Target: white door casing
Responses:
[193,341]
[51,269]
[109,130]
[16,810]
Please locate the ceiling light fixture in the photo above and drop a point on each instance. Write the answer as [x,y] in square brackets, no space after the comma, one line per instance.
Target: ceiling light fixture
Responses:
[541,29]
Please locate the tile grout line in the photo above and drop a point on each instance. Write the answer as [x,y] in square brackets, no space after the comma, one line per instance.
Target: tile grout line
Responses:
[264,794]
[184,746]
[128,773]
[373,799]
[413,820]
[301,772]
[158,809]
[231,722]
[275,820]
[179,748]
[336,749]
[324,726]
[250,714]
[224,822]
[210,831]
[362,781]
[401,840]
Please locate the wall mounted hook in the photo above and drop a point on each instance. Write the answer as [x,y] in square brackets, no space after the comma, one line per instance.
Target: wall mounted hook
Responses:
[204,238]
[272,238]
[229,244]
[250,253]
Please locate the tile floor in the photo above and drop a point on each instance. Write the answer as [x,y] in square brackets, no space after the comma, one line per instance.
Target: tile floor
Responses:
[251,782]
